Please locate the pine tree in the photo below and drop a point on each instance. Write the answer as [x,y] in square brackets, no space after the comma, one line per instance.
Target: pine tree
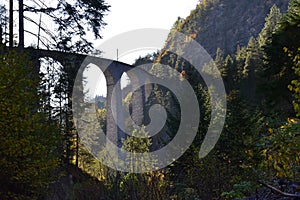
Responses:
[271,23]
[277,72]
[149,185]
[73,21]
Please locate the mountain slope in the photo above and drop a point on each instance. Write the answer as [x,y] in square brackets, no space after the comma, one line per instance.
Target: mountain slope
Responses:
[227,24]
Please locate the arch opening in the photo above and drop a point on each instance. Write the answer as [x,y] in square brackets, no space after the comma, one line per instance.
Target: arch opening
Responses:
[94,83]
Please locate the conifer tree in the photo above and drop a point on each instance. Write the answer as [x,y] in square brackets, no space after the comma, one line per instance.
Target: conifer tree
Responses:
[271,23]
[30,142]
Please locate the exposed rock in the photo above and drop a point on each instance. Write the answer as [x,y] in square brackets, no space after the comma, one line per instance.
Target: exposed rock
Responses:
[228,24]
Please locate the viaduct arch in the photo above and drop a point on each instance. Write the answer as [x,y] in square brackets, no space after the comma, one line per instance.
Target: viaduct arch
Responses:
[75,64]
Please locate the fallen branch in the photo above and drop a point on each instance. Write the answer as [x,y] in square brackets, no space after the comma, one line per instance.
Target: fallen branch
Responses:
[279,192]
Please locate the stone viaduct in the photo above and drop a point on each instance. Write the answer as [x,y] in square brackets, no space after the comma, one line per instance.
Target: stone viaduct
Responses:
[74,64]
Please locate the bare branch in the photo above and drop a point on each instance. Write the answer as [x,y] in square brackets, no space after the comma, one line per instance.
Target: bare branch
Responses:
[279,192]
[38,10]
[48,32]
[40,40]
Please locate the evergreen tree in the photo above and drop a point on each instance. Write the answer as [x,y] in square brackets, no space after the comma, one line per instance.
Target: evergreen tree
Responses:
[30,141]
[277,72]
[271,23]
[149,185]
[295,85]
[73,20]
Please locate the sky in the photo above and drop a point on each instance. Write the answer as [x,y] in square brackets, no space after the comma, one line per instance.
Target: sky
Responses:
[130,15]
[137,14]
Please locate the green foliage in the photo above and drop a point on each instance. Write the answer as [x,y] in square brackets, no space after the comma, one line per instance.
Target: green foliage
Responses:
[281,149]
[248,150]
[239,191]
[271,23]
[148,185]
[277,72]
[75,21]
[138,143]
[29,141]
[274,152]
[282,144]
[101,115]
[295,84]
[75,14]
[238,160]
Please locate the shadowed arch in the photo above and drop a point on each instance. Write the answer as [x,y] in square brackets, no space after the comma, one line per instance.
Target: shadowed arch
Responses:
[74,65]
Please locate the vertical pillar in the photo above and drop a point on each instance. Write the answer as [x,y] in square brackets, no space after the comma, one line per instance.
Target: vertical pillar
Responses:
[139,97]
[114,104]
[111,125]
[138,106]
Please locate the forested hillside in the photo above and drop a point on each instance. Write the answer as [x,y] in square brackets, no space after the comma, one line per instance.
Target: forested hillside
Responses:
[259,64]
[227,24]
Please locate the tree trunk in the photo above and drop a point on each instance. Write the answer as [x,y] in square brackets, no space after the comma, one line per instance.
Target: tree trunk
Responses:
[39,32]
[11,23]
[77,148]
[1,34]
[21,24]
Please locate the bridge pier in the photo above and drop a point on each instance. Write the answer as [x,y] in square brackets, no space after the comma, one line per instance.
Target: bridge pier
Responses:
[114,104]
[74,65]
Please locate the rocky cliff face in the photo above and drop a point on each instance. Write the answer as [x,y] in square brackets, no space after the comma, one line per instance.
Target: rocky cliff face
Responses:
[227,24]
